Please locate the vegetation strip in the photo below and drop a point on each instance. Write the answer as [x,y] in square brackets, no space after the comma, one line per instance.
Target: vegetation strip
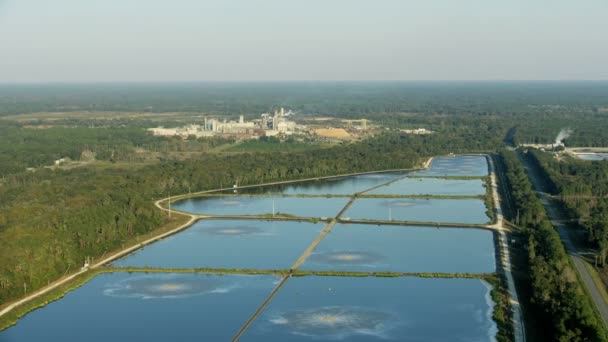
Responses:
[214,195]
[556,290]
[360,195]
[293,181]
[11,317]
[303,273]
[597,280]
[420,223]
[450,177]
[424,196]
[209,270]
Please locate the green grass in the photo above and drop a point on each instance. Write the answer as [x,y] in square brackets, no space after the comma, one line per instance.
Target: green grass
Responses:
[232,194]
[302,273]
[423,196]
[450,177]
[195,270]
[13,316]
[503,311]
[489,201]
[597,280]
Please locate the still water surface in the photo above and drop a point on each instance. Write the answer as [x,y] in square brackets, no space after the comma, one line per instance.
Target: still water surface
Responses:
[229,244]
[333,186]
[247,205]
[593,156]
[377,309]
[421,210]
[147,308]
[373,248]
[457,166]
[432,186]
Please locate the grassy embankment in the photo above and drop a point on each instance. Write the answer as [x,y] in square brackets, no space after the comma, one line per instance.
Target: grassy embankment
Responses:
[11,318]
[489,201]
[449,177]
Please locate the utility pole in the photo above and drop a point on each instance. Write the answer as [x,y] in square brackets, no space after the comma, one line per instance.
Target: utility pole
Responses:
[273,208]
[390,216]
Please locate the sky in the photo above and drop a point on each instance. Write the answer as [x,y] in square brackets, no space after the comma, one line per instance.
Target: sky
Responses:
[268,40]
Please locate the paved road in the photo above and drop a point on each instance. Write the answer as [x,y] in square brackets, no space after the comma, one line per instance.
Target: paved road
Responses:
[558,221]
[518,323]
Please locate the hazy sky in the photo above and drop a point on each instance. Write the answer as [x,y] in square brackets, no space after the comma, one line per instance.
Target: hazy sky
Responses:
[198,40]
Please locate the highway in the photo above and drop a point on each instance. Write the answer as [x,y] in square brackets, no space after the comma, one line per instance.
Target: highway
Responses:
[558,222]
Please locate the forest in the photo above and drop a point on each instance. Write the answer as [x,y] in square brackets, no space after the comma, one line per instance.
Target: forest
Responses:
[567,312]
[52,218]
[311,98]
[582,189]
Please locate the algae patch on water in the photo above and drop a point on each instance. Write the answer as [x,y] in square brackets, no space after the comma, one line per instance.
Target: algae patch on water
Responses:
[336,322]
[167,286]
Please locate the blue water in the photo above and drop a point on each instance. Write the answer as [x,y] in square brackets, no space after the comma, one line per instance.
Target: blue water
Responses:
[247,205]
[373,248]
[230,244]
[147,307]
[432,186]
[593,156]
[457,166]
[334,186]
[198,307]
[421,210]
[376,309]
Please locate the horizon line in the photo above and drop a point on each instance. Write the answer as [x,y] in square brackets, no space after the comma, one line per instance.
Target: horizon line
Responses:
[298,81]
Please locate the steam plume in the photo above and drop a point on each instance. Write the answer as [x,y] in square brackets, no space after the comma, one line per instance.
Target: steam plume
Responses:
[563,134]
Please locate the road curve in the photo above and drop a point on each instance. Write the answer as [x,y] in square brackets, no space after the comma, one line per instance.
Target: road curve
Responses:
[193,218]
[558,223]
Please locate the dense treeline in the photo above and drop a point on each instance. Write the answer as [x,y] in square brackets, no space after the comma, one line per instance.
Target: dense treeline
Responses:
[569,315]
[50,220]
[582,188]
[323,98]
[22,148]
[587,128]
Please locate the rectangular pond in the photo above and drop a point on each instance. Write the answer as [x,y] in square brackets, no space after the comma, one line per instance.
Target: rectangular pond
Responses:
[457,166]
[333,186]
[377,309]
[256,205]
[592,156]
[373,248]
[148,307]
[471,211]
[432,186]
[244,244]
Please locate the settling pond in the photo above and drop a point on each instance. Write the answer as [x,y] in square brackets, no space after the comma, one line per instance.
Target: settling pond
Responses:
[194,306]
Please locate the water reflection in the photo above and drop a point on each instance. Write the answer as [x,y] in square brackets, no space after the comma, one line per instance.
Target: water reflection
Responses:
[336,322]
[233,230]
[346,257]
[167,286]
[231,203]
